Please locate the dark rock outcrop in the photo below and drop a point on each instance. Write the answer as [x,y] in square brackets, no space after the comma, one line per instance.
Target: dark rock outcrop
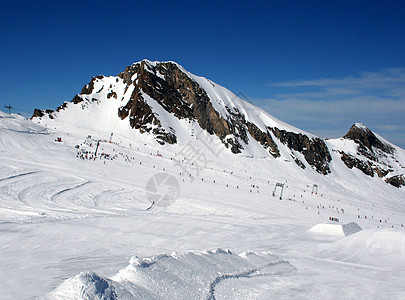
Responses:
[366,140]
[372,155]
[88,88]
[315,151]
[397,181]
[177,93]
[141,117]
[264,138]
[37,113]
[351,161]
[77,99]
[370,151]
[40,113]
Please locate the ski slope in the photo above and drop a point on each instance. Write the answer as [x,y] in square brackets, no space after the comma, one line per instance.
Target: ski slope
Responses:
[74,228]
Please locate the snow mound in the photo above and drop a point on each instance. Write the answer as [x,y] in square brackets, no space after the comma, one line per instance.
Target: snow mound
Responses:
[86,285]
[193,275]
[18,124]
[373,246]
[336,229]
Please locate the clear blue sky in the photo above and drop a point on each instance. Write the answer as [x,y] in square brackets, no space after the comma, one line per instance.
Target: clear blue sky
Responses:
[314,64]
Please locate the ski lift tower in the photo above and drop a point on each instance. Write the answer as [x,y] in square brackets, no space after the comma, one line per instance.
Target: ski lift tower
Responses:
[98,144]
[9,107]
[314,189]
[281,185]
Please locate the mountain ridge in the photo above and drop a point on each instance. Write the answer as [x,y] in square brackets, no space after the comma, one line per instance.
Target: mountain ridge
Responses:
[164,101]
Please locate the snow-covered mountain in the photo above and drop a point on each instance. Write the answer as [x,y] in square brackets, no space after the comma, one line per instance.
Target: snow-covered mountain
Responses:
[162,102]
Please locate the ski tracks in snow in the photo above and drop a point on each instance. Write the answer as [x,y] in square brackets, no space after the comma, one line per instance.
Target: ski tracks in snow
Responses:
[37,194]
[248,274]
[65,196]
[56,194]
[18,176]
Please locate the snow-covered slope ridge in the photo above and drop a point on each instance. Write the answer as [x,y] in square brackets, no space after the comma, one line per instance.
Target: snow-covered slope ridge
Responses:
[167,104]
[193,275]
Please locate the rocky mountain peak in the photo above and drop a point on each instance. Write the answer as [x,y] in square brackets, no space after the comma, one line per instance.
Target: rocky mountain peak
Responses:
[176,93]
[372,156]
[366,138]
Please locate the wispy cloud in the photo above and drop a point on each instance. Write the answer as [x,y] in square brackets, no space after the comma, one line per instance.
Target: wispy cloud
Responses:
[364,80]
[328,107]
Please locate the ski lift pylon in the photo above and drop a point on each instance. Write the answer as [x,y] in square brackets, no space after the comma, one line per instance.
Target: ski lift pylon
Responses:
[281,185]
[315,189]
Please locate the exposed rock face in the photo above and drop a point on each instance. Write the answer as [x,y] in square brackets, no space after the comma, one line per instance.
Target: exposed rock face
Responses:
[141,117]
[366,139]
[37,113]
[178,94]
[397,181]
[88,88]
[351,161]
[315,151]
[76,99]
[41,113]
[264,138]
[373,156]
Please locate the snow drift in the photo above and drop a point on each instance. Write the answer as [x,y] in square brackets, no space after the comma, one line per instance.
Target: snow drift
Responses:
[380,247]
[193,275]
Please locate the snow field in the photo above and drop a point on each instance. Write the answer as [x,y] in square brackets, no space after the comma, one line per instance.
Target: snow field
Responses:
[61,215]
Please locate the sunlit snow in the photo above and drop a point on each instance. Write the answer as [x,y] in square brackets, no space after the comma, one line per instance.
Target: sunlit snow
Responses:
[70,225]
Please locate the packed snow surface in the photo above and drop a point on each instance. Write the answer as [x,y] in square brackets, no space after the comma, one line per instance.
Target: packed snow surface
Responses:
[193,275]
[69,224]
